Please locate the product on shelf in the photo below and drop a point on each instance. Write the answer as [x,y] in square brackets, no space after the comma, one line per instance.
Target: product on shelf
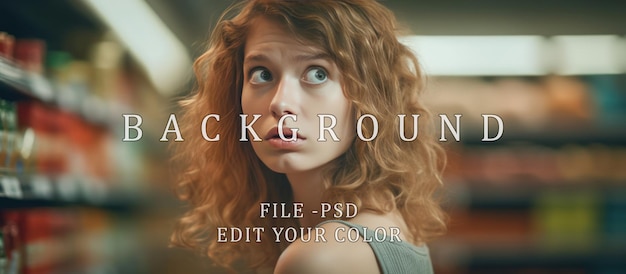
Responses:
[70,186]
[12,253]
[7,43]
[30,54]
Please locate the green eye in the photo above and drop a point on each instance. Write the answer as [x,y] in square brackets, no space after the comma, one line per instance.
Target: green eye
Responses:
[315,75]
[260,75]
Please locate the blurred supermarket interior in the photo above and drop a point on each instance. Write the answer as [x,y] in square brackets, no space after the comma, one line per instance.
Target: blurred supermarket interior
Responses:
[549,196]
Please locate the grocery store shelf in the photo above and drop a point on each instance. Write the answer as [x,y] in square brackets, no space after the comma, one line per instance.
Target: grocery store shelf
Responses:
[534,255]
[44,191]
[14,82]
[528,259]
[114,206]
[552,137]
[17,84]
[483,196]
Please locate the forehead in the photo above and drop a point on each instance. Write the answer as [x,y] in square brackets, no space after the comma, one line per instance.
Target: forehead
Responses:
[267,33]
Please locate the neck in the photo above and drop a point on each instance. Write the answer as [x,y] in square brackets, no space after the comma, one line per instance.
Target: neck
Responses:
[307,189]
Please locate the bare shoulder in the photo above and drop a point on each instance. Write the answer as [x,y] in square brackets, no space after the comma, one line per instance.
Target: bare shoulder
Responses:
[388,221]
[331,256]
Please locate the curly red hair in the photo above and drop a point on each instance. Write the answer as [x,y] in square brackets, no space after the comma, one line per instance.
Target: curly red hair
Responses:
[224,181]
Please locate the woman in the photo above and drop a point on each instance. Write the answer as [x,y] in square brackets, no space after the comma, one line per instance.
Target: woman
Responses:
[302,73]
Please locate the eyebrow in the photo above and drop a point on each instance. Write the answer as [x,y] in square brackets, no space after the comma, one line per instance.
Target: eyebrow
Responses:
[298,58]
[310,57]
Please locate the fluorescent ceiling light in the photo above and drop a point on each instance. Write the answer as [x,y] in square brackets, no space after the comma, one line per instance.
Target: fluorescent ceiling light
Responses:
[479,55]
[162,56]
[589,54]
[518,55]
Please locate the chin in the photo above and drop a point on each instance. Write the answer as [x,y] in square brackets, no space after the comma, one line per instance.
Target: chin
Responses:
[284,168]
[289,165]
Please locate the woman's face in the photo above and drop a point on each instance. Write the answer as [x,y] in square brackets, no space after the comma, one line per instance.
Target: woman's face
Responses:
[283,76]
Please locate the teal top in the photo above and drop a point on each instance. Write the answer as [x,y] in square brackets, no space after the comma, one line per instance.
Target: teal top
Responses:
[395,257]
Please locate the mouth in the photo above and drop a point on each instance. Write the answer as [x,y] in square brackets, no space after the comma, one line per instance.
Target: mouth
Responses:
[287,134]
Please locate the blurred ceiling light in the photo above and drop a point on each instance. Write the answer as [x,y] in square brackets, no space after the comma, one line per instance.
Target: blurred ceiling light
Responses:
[518,55]
[598,54]
[479,55]
[162,56]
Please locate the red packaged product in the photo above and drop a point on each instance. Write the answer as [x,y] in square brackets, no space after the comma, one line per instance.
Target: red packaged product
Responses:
[29,54]
[11,227]
[6,45]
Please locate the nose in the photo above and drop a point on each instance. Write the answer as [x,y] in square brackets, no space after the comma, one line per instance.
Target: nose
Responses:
[286,98]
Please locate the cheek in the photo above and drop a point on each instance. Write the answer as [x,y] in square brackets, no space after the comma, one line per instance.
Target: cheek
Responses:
[341,107]
[246,101]
[254,101]
[348,118]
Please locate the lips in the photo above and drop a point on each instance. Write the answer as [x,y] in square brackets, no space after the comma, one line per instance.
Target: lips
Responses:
[273,140]
[287,133]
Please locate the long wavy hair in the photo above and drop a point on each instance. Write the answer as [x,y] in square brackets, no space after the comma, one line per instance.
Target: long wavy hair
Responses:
[224,182]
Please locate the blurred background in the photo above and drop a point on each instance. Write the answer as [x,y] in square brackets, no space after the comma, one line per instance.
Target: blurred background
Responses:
[549,196]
